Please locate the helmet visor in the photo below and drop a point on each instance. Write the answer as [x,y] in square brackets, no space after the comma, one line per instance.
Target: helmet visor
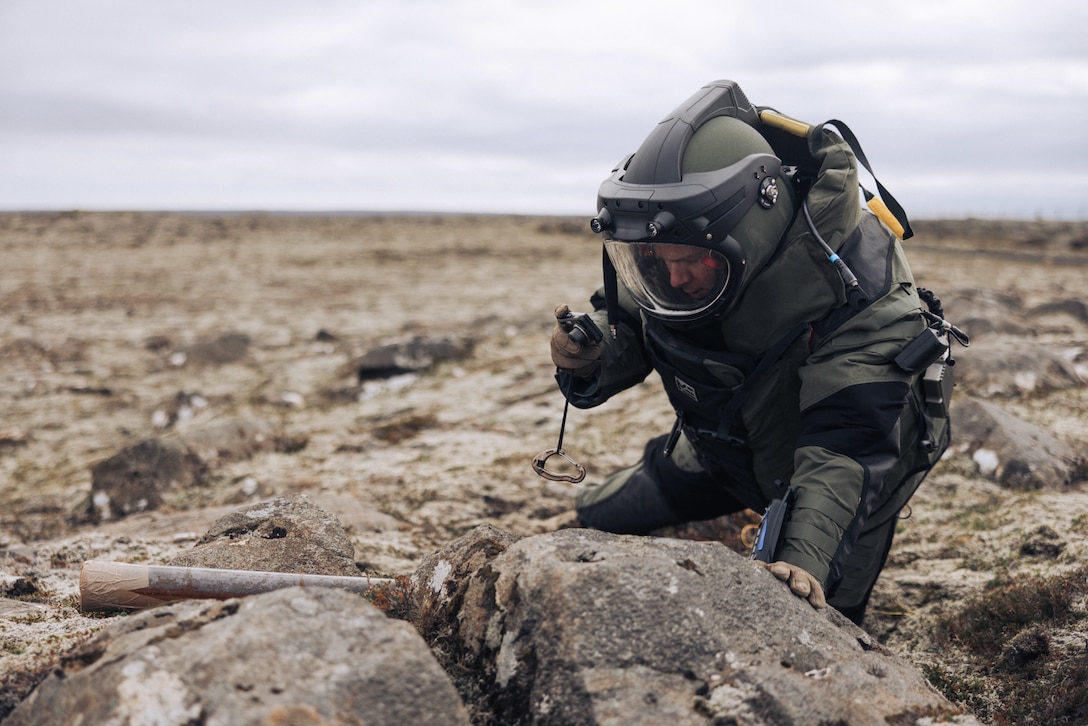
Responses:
[671,280]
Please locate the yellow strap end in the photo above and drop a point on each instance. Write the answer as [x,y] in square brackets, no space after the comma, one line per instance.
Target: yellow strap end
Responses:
[880,209]
[785,123]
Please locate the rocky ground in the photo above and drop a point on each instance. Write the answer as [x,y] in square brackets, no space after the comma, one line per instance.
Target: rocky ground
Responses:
[119,328]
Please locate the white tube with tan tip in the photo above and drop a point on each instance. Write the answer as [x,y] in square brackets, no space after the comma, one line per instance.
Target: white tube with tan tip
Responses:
[107,586]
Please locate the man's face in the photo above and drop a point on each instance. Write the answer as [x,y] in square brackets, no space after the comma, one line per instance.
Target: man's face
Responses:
[670,279]
[692,270]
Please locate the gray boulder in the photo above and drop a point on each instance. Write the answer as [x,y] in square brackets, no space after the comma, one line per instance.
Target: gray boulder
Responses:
[234,440]
[1008,367]
[279,535]
[582,627]
[1074,309]
[293,656]
[986,313]
[227,348]
[415,355]
[1010,451]
[139,477]
[148,474]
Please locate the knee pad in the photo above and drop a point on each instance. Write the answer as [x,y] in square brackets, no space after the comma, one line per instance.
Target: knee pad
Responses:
[628,502]
[652,494]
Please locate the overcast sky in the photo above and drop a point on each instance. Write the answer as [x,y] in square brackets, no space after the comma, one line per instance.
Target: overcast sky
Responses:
[964,107]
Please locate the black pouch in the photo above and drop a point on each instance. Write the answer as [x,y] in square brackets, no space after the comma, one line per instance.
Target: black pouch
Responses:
[929,352]
[937,384]
[770,529]
[927,348]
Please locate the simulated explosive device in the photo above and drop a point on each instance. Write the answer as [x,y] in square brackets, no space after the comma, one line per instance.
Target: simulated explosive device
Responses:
[122,586]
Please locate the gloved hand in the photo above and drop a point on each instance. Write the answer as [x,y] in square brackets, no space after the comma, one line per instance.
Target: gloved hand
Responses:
[581,361]
[801,583]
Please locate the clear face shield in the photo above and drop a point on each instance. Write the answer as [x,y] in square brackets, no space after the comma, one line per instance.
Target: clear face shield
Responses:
[671,280]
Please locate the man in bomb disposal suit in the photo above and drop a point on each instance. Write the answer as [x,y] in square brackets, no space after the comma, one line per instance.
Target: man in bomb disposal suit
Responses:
[809,380]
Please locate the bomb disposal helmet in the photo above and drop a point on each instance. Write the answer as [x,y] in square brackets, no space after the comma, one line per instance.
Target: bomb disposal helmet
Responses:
[702,198]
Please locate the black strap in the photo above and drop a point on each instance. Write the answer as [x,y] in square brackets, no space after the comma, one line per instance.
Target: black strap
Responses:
[893,206]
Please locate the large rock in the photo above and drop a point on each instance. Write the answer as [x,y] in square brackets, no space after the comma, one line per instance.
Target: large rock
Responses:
[1012,452]
[230,347]
[1074,309]
[146,475]
[410,356]
[139,477]
[582,627]
[986,313]
[1008,367]
[279,535]
[234,440]
[293,656]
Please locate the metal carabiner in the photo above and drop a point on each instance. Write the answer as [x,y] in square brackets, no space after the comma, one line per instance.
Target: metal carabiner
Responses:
[540,466]
[540,461]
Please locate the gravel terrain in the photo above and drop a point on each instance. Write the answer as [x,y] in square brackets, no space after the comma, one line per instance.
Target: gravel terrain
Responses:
[120,327]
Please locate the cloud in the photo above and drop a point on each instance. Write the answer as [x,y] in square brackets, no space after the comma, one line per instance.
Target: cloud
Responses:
[484,105]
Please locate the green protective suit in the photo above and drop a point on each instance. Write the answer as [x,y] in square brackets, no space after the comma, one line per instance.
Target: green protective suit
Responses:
[808,383]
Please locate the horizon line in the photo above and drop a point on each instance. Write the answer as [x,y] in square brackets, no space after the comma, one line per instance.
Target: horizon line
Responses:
[239,211]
